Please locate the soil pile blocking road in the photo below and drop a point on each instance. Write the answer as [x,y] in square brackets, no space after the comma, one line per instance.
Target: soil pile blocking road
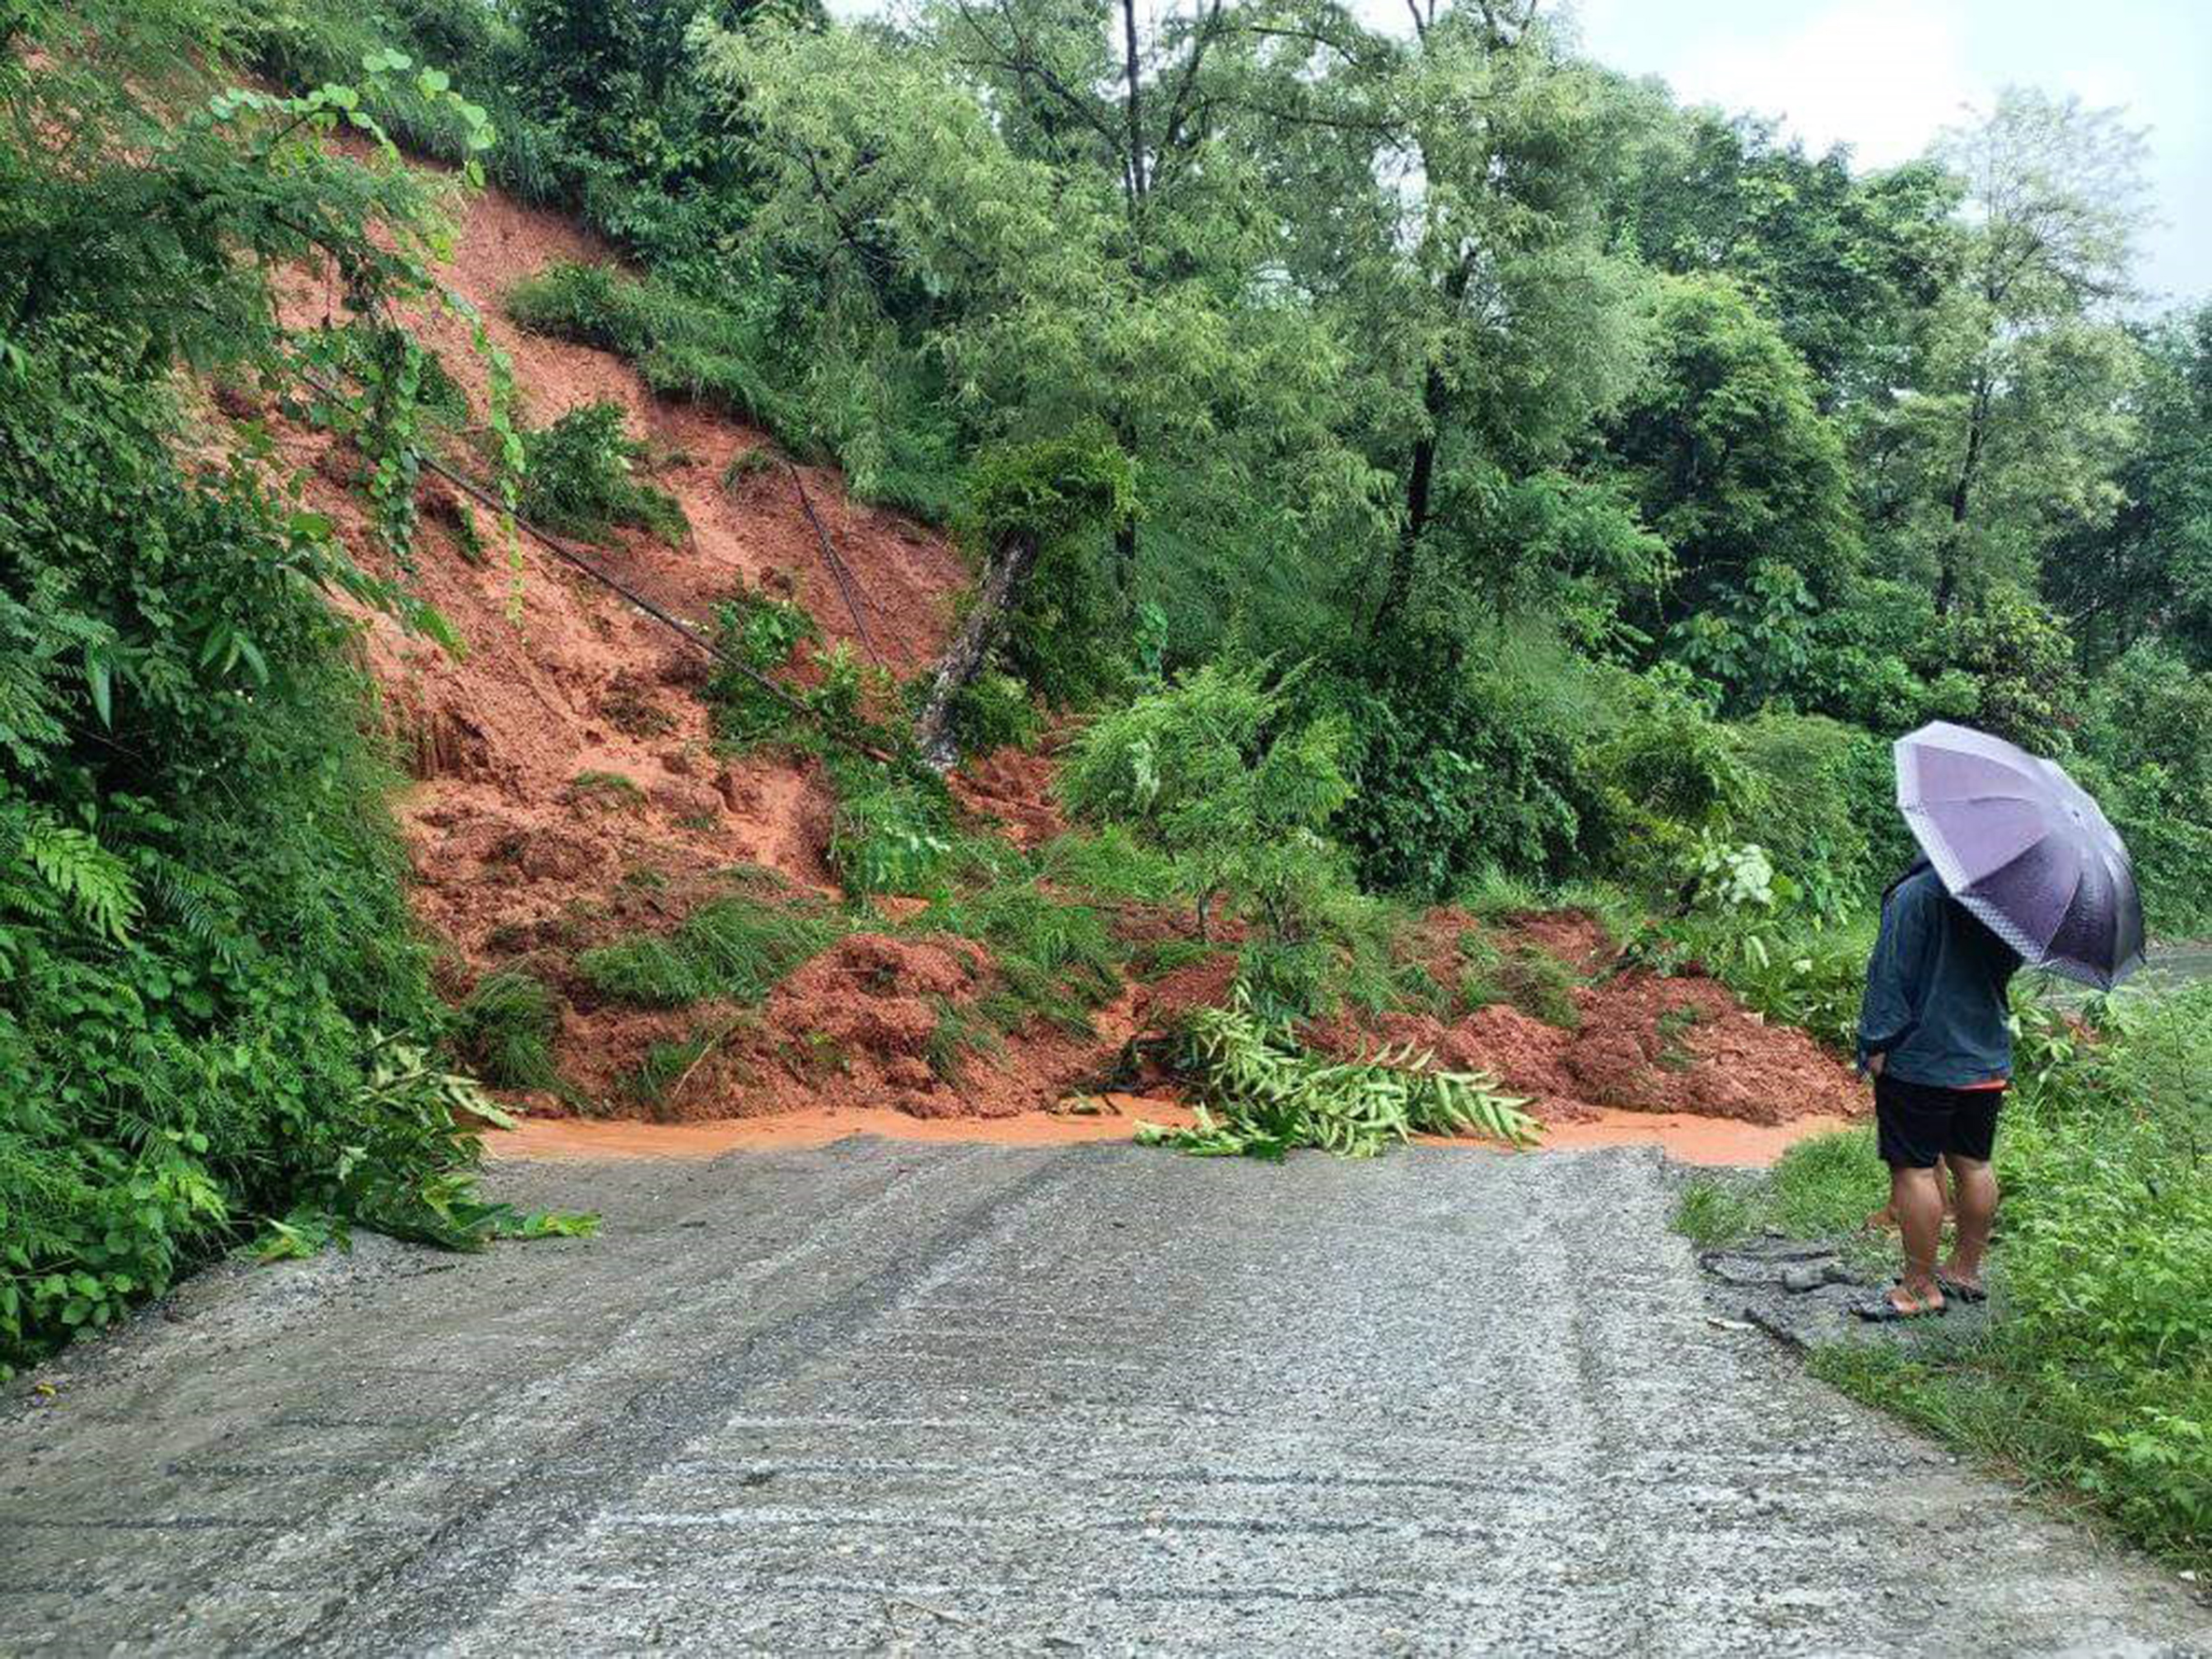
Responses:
[882,1397]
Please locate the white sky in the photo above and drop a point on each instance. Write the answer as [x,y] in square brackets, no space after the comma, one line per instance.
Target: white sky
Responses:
[1884,76]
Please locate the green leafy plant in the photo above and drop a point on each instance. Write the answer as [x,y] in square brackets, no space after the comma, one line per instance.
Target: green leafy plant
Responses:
[580,479]
[1263,1096]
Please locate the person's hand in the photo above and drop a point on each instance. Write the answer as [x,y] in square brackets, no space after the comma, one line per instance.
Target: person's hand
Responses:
[1874,1064]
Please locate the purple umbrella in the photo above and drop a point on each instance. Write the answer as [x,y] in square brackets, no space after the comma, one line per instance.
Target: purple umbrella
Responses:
[2023,848]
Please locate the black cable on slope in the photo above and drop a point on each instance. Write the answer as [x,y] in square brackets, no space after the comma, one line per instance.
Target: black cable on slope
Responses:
[837,565]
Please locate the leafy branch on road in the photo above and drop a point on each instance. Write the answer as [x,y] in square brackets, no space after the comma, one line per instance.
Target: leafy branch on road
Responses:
[1261,1096]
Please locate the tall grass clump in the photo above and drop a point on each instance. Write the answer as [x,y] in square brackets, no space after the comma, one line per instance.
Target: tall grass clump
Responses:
[734,949]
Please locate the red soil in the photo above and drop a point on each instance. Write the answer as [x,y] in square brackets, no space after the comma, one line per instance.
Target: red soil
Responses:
[1643,1043]
[1013,788]
[562,678]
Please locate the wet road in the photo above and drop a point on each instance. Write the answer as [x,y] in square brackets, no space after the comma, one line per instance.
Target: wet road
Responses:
[882,1398]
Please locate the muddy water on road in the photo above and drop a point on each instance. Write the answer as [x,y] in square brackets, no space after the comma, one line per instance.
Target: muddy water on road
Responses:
[1690,1140]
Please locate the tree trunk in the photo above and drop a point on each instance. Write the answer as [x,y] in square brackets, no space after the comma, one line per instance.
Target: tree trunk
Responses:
[1004,576]
[1420,481]
[1962,493]
[1128,21]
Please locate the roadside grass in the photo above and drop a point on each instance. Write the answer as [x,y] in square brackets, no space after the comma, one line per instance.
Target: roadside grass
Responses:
[1822,1188]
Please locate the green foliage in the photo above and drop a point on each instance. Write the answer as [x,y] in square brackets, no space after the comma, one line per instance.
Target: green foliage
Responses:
[1741,475]
[213,1013]
[504,1032]
[994,711]
[2141,751]
[953,1039]
[736,948]
[1262,1096]
[580,479]
[2021,664]
[1056,959]
[1822,803]
[1206,772]
[1109,862]
[1461,764]
[763,635]
[892,832]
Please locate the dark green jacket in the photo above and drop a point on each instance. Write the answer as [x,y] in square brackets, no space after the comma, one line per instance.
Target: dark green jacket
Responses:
[1934,1000]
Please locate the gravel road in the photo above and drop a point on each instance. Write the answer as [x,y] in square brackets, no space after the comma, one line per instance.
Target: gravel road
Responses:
[882,1398]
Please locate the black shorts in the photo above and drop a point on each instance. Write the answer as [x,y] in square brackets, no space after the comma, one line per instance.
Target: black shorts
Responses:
[1919,1122]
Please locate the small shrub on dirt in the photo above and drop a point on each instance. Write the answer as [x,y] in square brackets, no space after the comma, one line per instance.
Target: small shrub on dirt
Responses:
[746,465]
[504,1031]
[643,972]
[763,633]
[893,829]
[1672,1028]
[1531,980]
[659,1079]
[1162,957]
[580,479]
[1540,986]
[1263,1096]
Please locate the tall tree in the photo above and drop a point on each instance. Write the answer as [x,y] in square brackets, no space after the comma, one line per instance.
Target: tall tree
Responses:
[1841,261]
[1450,227]
[2014,407]
[1735,468]
[2148,571]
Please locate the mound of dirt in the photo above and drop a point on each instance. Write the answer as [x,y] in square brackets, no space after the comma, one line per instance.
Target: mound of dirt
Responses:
[1637,1042]
[859,1028]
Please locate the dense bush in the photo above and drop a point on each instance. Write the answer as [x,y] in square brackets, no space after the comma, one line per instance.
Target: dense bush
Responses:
[579,477]
[1460,763]
[215,1015]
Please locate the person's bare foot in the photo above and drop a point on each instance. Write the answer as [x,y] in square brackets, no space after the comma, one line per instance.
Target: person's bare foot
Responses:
[1902,1302]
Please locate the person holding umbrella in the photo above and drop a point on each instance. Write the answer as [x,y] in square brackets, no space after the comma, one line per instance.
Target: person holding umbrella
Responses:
[2017,865]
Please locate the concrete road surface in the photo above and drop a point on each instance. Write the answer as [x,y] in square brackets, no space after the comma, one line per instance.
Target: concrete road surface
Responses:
[879,1398]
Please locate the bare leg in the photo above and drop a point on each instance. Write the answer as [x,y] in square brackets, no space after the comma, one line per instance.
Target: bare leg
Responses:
[1916,1199]
[1977,1187]
[1885,1219]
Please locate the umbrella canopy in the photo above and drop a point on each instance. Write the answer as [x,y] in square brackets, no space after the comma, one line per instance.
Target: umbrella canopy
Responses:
[2023,846]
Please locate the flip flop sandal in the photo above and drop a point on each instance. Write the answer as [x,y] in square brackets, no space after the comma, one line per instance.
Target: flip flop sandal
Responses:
[1879,1309]
[1961,1289]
